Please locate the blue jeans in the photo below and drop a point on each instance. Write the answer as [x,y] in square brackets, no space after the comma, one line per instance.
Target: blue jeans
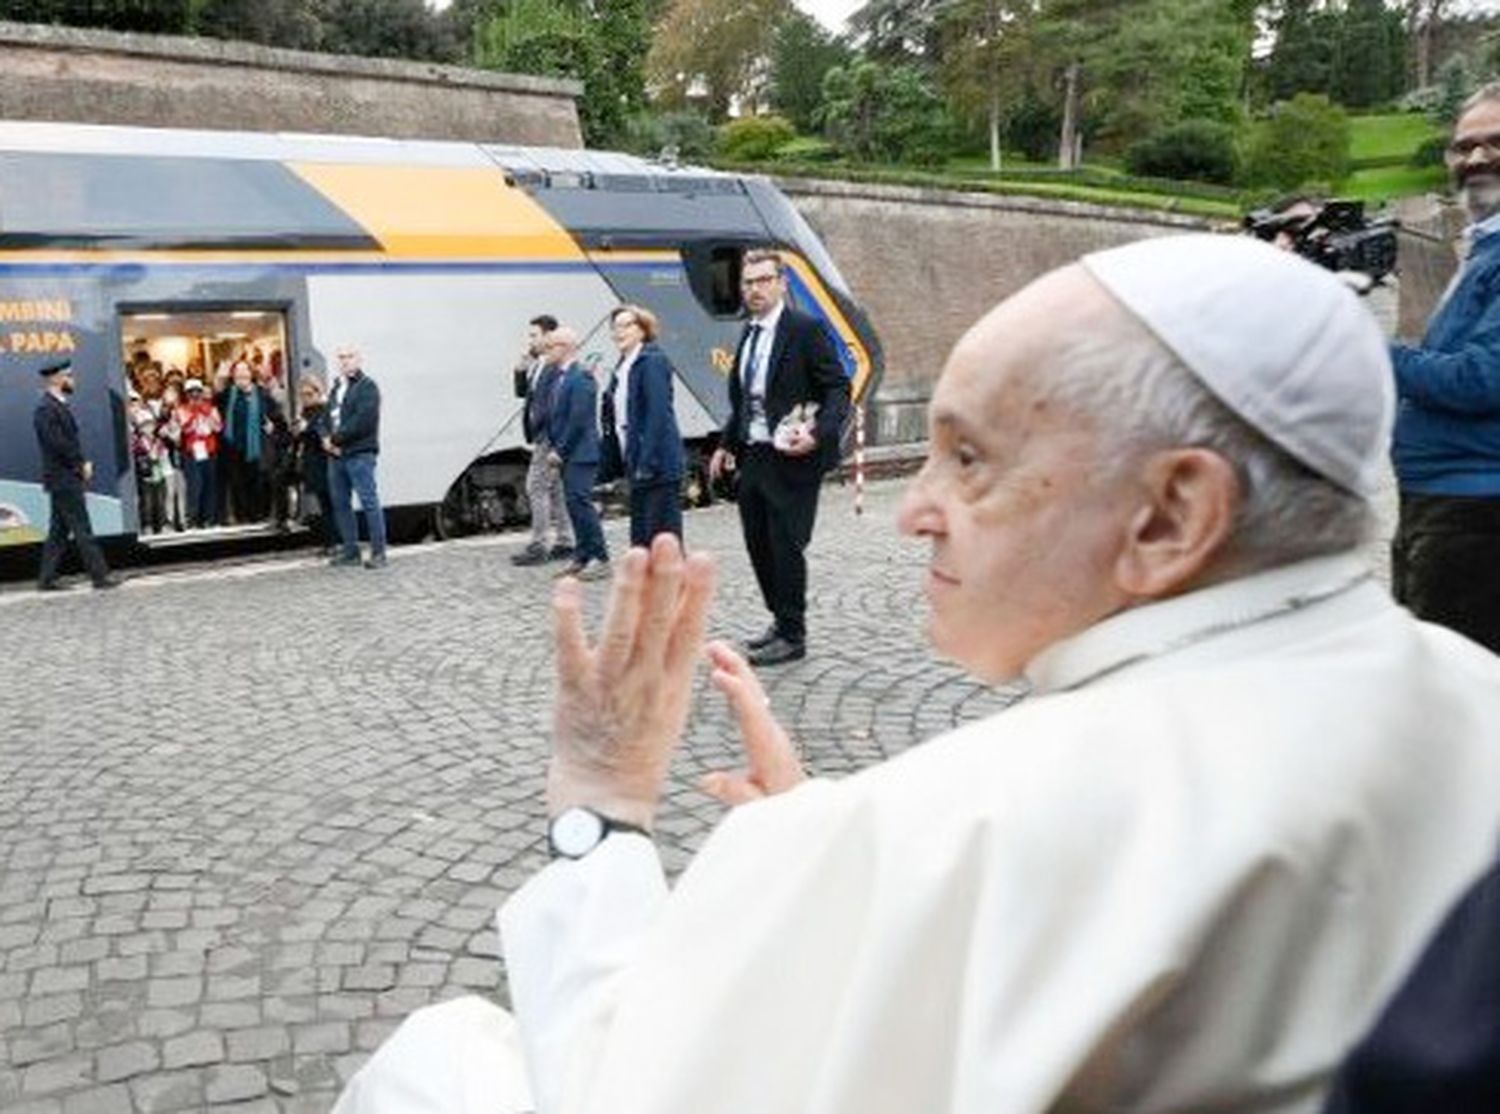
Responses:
[588,534]
[356,474]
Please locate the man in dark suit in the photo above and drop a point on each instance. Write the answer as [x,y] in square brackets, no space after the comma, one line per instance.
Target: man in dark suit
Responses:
[65,475]
[785,364]
[573,432]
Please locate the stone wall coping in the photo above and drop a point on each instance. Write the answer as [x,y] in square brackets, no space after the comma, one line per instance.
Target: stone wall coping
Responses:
[179,48]
[962,199]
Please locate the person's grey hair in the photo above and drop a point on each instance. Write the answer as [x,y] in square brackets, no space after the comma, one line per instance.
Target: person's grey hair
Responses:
[1490,91]
[1141,398]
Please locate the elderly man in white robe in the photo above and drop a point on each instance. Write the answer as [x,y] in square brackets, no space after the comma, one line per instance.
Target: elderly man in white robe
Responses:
[1182,875]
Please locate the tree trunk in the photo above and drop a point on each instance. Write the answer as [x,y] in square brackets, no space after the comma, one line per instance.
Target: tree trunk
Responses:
[995,127]
[1067,143]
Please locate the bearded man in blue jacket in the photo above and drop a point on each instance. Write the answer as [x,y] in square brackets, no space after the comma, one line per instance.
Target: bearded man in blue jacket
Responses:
[1446,555]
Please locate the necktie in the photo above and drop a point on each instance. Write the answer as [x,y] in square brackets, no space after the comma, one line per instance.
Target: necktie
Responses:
[750,355]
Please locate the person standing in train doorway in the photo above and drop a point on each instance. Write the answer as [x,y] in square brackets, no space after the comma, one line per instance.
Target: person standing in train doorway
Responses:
[787,397]
[65,476]
[352,445]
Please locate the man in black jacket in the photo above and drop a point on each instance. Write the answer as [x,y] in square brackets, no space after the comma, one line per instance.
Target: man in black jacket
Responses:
[785,366]
[353,444]
[65,474]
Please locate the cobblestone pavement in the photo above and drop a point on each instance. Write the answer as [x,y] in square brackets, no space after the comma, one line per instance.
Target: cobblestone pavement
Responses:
[252,817]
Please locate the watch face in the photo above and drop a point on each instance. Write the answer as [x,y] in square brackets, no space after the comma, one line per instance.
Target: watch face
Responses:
[576,831]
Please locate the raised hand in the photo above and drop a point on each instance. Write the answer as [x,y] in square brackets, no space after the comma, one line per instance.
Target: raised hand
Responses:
[622,702]
[773,766]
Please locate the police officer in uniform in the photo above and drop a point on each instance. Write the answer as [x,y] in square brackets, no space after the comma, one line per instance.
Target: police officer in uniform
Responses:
[65,473]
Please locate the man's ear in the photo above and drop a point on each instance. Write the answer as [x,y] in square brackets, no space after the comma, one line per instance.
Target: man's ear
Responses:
[1181,530]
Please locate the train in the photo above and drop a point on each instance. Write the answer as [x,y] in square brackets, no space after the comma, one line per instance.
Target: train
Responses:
[124,246]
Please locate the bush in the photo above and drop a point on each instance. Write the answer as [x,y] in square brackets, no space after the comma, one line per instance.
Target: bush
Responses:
[1305,140]
[807,148]
[1433,152]
[1198,150]
[754,138]
[687,132]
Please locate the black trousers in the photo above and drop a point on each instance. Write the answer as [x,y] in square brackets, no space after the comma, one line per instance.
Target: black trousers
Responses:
[70,518]
[655,509]
[777,519]
[1445,563]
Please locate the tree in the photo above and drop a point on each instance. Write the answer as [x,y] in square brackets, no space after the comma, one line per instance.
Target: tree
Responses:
[167,17]
[877,112]
[287,23]
[716,50]
[1422,20]
[984,46]
[1304,140]
[801,54]
[1369,60]
[384,29]
[598,44]
[898,30]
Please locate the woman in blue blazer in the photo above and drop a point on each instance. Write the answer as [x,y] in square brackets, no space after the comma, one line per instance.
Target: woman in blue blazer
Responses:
[641,424]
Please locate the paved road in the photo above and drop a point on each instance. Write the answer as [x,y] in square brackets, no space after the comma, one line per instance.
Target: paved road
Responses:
[251,817]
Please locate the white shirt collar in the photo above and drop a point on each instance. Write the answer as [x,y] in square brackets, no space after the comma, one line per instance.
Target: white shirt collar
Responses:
[769,322]
[1157,629]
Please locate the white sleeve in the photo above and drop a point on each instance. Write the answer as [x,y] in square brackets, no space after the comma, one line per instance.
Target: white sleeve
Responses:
[565,935]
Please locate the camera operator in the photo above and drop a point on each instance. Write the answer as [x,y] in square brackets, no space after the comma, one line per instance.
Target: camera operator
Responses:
[1446,447]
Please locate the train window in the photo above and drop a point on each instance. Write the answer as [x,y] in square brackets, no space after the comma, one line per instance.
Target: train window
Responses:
[714,274]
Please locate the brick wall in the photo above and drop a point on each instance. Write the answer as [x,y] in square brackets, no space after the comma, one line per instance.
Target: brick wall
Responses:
[100,77]
[926,264]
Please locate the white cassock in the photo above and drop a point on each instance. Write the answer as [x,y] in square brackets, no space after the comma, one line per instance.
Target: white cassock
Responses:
[1182,877]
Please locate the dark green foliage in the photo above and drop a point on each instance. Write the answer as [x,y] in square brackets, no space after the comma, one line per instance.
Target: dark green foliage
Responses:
[600,45]
[685,131]
[801,54]
[1355,52]
[754,138]
[1433,152]
[1455,84]
[1198,150]
[168,17]
[1031,127]
[384,29]
[882,113]
[286,23]
[1304,141]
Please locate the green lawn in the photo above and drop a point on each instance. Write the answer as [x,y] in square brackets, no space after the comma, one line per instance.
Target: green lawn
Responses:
[1393,137]
[1384,183]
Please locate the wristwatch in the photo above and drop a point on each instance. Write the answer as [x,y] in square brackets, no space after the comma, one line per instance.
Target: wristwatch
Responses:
[576,831]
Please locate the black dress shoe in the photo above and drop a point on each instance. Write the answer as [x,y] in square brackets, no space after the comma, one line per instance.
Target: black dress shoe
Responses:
[764,638]
[777,652]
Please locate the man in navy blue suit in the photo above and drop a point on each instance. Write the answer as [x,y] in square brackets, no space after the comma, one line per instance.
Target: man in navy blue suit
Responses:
[573,431]
[639,421]
[65,475]
[785,360]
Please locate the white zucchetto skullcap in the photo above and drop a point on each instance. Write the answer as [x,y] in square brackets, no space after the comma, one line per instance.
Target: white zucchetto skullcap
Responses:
[1281,342]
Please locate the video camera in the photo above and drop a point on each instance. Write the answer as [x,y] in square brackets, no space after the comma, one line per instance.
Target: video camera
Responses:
[1333,234]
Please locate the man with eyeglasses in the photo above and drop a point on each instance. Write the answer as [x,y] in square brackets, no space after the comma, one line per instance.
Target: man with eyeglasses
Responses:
[1446,446]
[788,396]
